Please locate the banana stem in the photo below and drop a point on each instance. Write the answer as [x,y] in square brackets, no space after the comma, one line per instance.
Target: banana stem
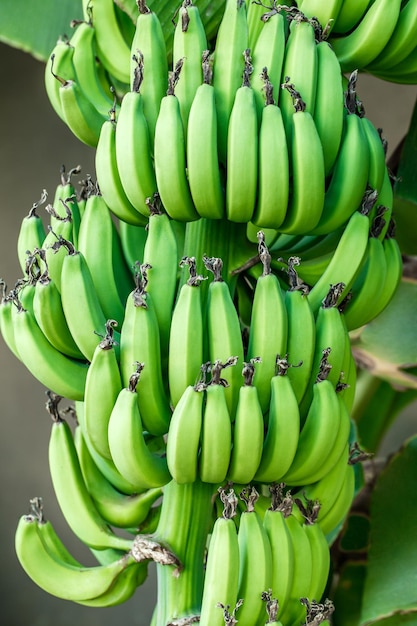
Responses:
[186,519]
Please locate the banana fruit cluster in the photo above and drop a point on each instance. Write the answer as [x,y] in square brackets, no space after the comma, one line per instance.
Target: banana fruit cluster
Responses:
[378,36]
[195,305]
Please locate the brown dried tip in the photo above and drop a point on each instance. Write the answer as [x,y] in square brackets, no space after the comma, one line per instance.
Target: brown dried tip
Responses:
[230,501]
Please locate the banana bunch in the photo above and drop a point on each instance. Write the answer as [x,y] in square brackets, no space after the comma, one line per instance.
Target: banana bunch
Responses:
[378,36]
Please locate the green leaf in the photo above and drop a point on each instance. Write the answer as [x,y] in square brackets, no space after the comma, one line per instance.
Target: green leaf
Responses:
[348,594]
[35,26]
[391,582]
[388,344]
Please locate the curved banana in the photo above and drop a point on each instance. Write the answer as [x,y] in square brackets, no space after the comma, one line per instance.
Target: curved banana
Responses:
[248,431]
[132,242]
[273,165]
[59,64]
[83,41]
[216,432]
[368,38]
[71,492]
[6,319]
[402,41]
[116,508]
[60,578]
[242,151]
[129,450]
[329,105]
[80,115]
[222,566]
[183,441]
[347,257]
[108,177]
[123,587]
[170,157]
[351,12]
[342,504]
[112,48]
[394,272]
[317,435]
[82,308]
[255,563]
[268,327]
[133,146]
[377,167]
[231,41]
[345,191]
[140,340]
[254,14]
[320,553]
[189,44]
[307,165]
[186,340]
[99,243]
[325,13]
[282,436]
[224,338]
[204,176]
[150,42]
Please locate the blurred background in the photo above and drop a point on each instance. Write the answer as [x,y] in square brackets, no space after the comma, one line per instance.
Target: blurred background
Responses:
[34,145]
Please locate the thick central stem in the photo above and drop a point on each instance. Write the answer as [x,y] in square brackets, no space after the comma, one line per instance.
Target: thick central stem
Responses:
[186,519]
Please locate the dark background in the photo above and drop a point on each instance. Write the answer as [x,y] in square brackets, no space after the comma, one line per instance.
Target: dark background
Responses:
[34,143]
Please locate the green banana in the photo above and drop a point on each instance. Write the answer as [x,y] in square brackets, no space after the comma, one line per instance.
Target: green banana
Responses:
[402,41]
[351,12]
[242,150]
[59,63]
[269,325]
[273,165]
[162,276]
[186,340]
[329,105]
[132,241]
[222,567]
[133,146]
[320,553]
[54,251]
[123,587]
[299,68]
[282,435]
[216,431]
[83,41]
[108,177]
[231,41]
[31,232]
[60,578]
[128,447]
[65,191]
[149,40]
[326,13]
[282,549]
[255,562]
[82,308]
[307,165]
[338,512]
[363,44]
[170,156]
[99,243]
[377,167]
[317,435]
[80,115]
[346,259]
[189,44]
[140,339]
[116,508]
[103,385]
[268,53]
[204,175]
[248,431]
[70,489]
[224,338]
[183,442]
[112,49]
[349,178]
[394,272]
[6,319]
[254,13]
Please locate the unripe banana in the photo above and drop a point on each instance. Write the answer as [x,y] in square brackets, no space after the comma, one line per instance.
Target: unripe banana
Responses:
[81,116]
[231,41]
[129,450]
[216,433]
[59,63]
[31,233]
[140,340]
[242,151]
[281,440]
[269,325]
[248,430]
[224,338]
[112,49]
[204,175]
[255,563]
[222,567]
[185,354]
